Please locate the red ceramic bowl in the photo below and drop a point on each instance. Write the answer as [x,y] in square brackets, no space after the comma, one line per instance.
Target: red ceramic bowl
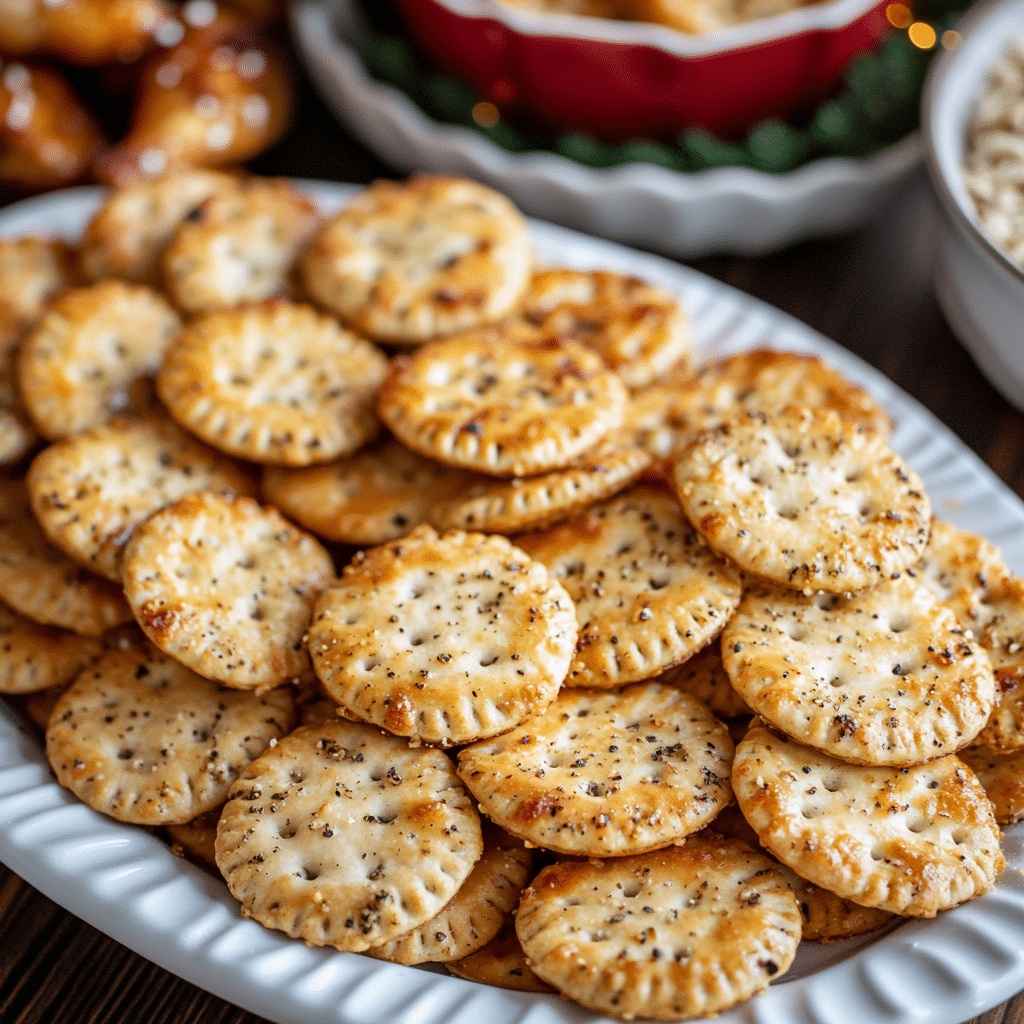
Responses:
[619,80]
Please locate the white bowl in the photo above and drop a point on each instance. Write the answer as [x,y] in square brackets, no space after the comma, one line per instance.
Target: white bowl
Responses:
[728,210]
[979,288]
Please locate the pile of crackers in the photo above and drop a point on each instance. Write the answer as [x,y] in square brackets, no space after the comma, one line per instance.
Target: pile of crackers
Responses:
[445,607]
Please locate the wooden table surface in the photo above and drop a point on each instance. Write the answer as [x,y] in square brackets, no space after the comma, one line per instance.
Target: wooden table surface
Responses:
[870,291]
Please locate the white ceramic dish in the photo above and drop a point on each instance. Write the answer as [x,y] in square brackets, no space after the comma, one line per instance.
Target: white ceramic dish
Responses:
[729,210]
[980,289]
[126,882]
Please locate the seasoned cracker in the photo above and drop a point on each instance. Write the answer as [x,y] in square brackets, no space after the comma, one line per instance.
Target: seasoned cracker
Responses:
[90,491]
[275,382]
[648,592]
[502,407]
[239,246]
[405,262]
[958,566]
[227,587]
[680,933]
[501,963]
[196,839]
[913,840]
[476,913]
[92,354]
[532,502]
[444,639]
[142,738]
[342,835]
[128,233]
[35,657]
[886,677]
[32,271]
[805,499]
[825,917]
[42,583]
[379,494]
[605,774]
[1002,775]
[704,676]
[639,329]
[17,435]
[767,380]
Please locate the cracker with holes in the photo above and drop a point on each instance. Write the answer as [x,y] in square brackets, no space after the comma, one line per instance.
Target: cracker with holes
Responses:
[443,639]
[408,261]
[605,774]
[958,566]
[1002,775]
[767,380]
[639,329]
[704,676]
[684,932]
[93,353]
[90,491]
[378,494]
[276,382]
[227,587]
[913,840]
[825,917]
[35,657]
[127,235]
[42,583]
[476,913]
[140,737]
[500,963]
[239,246]
[344,836]
[32,271]
[805,499]
[648,591]
[501,407]
[885,677]
[532,502]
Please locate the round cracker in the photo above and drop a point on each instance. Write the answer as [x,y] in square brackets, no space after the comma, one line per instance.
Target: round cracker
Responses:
[703,675]
[227,587]
[684,932]
[501,406]
[32,271]
[378,494]
[275,382]
[408,261]
[196,839]
[639,329]
[90,491]
[92,354]
[127,234]
[1002,775]
[605,774]
[239,246]
[805,499]
[957,567]
[648,592]
[341,835]
[532,502]
[476,913]
[501,963]
[885,677]
[17,435]
[912,840]
[140,737]
[42,583]
[444,639]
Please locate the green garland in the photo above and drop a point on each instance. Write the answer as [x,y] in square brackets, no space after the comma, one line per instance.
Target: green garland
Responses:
[877,104]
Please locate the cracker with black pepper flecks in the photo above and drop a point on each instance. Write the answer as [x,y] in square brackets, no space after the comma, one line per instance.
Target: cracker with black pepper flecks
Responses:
[603,774]
[500,963]
[342,835]
[140,737]
[912,840]
[648,591]
[680,933]
[443,638]
[805,499]
[887,676]
[227,587]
